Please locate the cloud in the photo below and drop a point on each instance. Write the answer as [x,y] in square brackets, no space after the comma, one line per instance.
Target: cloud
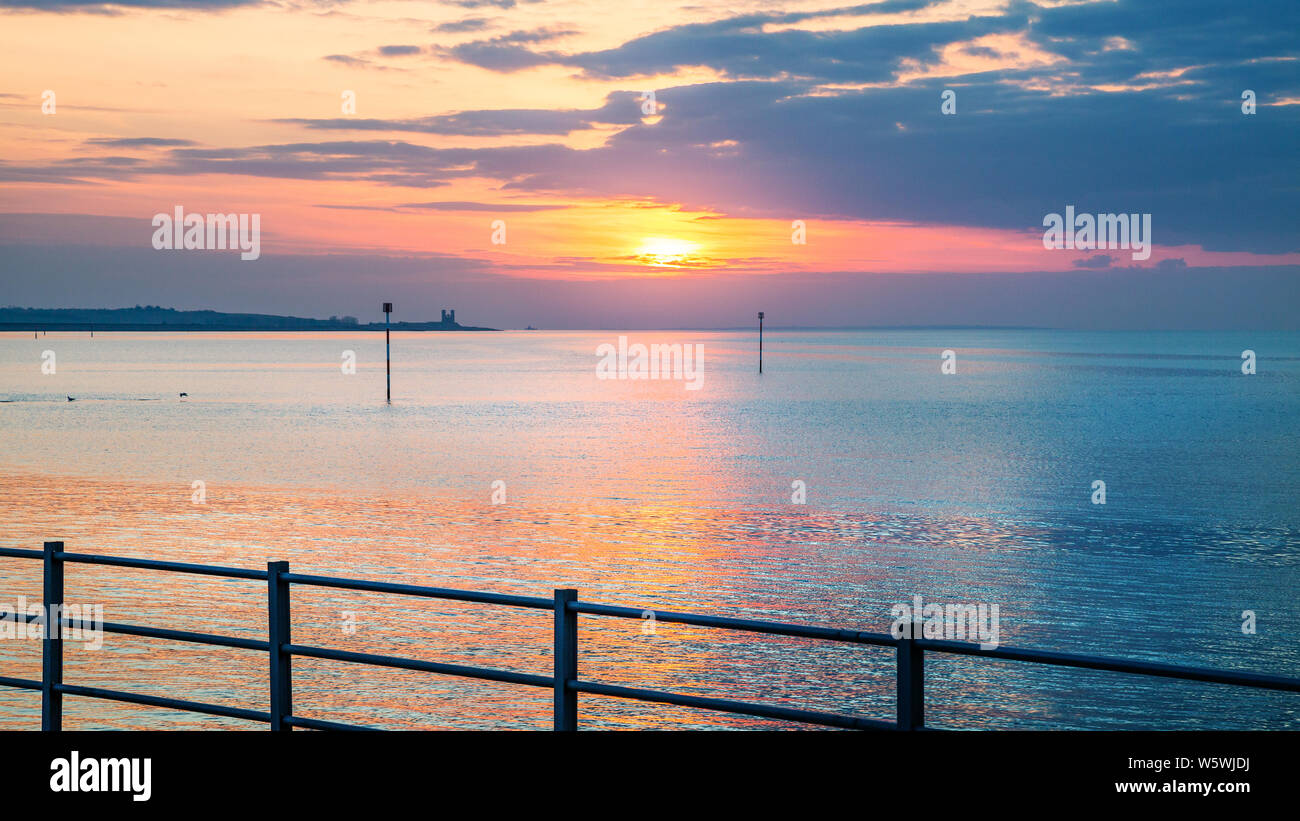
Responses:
[480,4]
[379,161]
[94,5]
[621,108]
[460,26]
[1098,261]
[452,206]
[399,51]
[502,57]
[545,34]
[741,47]
[481,206]
[138,142]
[346,60]
[502,44]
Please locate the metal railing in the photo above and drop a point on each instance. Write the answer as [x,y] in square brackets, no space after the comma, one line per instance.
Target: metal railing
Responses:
[564,682]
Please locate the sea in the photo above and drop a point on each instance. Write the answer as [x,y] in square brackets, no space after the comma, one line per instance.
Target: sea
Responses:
[1132,495]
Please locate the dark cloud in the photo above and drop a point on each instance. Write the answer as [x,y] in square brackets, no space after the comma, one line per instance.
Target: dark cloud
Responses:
[1169,33]
[461,26]
[1098,261]
[346,60]
[509,52]
[502,44]
[740,47]
[504,57]
[482,4]
[541,35]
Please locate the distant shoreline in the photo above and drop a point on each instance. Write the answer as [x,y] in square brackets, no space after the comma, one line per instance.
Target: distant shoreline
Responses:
[157,318]
[109,328]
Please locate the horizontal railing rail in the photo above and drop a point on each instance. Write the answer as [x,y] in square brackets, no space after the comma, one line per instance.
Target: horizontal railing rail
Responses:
[563,682]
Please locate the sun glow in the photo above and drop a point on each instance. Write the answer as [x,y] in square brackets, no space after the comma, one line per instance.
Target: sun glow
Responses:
[667,252]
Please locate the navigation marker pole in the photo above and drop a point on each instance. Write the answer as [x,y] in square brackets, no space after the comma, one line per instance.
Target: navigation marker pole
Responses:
[388,363]
[760,341]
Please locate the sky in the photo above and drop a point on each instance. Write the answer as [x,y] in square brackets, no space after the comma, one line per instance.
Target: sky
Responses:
[584,164]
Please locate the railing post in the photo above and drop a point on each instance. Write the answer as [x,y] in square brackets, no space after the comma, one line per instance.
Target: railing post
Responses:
[52,640]
[911,681]
[566,661]
[277,602]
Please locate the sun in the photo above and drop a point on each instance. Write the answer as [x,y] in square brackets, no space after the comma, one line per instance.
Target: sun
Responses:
[667,252]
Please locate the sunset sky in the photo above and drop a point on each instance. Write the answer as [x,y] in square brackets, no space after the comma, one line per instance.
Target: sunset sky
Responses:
[533,113]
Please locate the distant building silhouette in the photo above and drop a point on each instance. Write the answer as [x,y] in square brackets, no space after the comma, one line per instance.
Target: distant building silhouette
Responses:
[449,317]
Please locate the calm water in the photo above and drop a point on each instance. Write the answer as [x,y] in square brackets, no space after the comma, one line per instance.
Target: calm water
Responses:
[973,487]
